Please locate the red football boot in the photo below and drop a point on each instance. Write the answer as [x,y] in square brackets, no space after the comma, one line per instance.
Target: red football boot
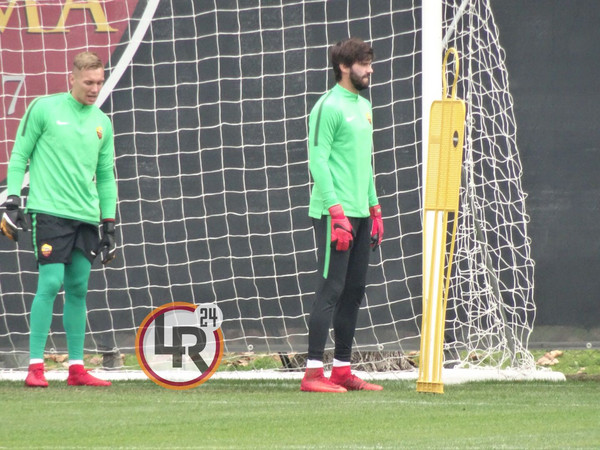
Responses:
[35,376]
[314,381]
[78,376]
[342,376]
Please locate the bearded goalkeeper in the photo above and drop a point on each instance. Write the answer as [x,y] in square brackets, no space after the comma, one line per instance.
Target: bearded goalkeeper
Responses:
[346,214]
[68,143]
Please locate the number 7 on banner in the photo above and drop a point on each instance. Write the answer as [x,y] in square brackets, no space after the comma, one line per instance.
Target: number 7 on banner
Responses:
[442,185]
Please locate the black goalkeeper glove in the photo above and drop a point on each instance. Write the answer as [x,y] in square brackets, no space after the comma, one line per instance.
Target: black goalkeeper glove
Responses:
[107,245]
[13,218]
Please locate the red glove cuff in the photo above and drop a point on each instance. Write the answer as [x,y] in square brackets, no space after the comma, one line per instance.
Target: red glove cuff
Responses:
[337,212]
[375,211]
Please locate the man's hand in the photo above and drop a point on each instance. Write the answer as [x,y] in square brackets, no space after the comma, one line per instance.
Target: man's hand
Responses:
[107,245]
[13,218]
[342,233]
[376,226]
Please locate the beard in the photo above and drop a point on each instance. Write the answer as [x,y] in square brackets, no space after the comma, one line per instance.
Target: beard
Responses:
[358,82]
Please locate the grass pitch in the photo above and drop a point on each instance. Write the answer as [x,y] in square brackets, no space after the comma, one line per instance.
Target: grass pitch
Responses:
[275,414]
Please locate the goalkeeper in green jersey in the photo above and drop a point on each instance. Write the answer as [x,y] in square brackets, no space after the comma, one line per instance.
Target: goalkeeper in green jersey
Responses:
[346,214]
[68,143]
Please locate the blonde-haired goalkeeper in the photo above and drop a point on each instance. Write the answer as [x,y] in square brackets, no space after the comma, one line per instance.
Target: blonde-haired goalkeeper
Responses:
[68,143]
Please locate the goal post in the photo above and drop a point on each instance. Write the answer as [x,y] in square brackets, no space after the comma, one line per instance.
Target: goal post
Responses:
[210,119]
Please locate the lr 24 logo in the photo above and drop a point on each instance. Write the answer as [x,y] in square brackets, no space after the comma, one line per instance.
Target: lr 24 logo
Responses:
[180,345]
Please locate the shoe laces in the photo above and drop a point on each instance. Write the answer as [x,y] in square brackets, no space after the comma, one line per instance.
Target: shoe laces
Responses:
[355,381]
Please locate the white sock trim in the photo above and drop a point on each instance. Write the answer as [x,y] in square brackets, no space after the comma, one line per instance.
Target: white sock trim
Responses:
[36,360]
[76,362]
[314,364]
[338,363]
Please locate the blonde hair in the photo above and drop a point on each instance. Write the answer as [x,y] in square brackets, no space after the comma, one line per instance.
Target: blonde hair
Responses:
[87,61]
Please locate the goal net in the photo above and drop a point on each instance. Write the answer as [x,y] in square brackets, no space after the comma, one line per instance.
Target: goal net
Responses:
[209,102]
[490,308]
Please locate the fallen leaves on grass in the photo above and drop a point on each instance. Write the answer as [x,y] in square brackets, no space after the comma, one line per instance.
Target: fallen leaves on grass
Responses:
[550,358]
[56,357]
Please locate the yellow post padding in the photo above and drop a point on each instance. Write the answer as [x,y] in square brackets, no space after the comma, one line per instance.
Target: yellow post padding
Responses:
[442,186]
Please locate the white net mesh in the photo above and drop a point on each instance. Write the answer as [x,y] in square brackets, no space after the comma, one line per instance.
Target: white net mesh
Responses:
[491,309]
[210,121]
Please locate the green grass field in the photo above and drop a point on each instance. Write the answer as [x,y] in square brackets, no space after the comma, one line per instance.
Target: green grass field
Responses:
[275,414]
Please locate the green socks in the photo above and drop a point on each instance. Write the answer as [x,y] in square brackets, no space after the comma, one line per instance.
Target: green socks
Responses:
[75,277]
[49,283]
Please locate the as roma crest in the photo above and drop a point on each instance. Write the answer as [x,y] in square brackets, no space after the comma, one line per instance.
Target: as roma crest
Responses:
[46,250]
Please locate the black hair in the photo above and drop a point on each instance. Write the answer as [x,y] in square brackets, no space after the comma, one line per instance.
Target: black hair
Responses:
[348,52]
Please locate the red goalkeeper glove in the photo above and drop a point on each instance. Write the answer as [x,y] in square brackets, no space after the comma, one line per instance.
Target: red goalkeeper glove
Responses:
[13,218]
[342,234]
[376,226]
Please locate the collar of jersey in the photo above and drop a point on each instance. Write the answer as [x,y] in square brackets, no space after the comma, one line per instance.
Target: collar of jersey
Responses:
[345,92]
[75,103]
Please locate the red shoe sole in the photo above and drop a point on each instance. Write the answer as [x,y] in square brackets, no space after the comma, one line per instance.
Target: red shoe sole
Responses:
[322,387]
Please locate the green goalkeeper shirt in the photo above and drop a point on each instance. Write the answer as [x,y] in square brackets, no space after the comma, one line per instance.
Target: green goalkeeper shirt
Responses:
[70,150]
[340,141]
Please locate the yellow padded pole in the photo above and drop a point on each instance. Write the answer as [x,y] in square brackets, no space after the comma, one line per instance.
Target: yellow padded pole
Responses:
[442,187]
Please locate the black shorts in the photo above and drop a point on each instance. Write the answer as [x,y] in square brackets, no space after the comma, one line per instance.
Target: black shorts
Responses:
[55,238]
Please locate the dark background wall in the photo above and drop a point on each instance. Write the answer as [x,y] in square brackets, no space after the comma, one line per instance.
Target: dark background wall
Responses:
[551,54]
[552,57]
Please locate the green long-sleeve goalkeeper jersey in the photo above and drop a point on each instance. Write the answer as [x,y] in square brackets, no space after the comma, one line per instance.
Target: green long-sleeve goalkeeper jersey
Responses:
[70,150]
[340,141]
